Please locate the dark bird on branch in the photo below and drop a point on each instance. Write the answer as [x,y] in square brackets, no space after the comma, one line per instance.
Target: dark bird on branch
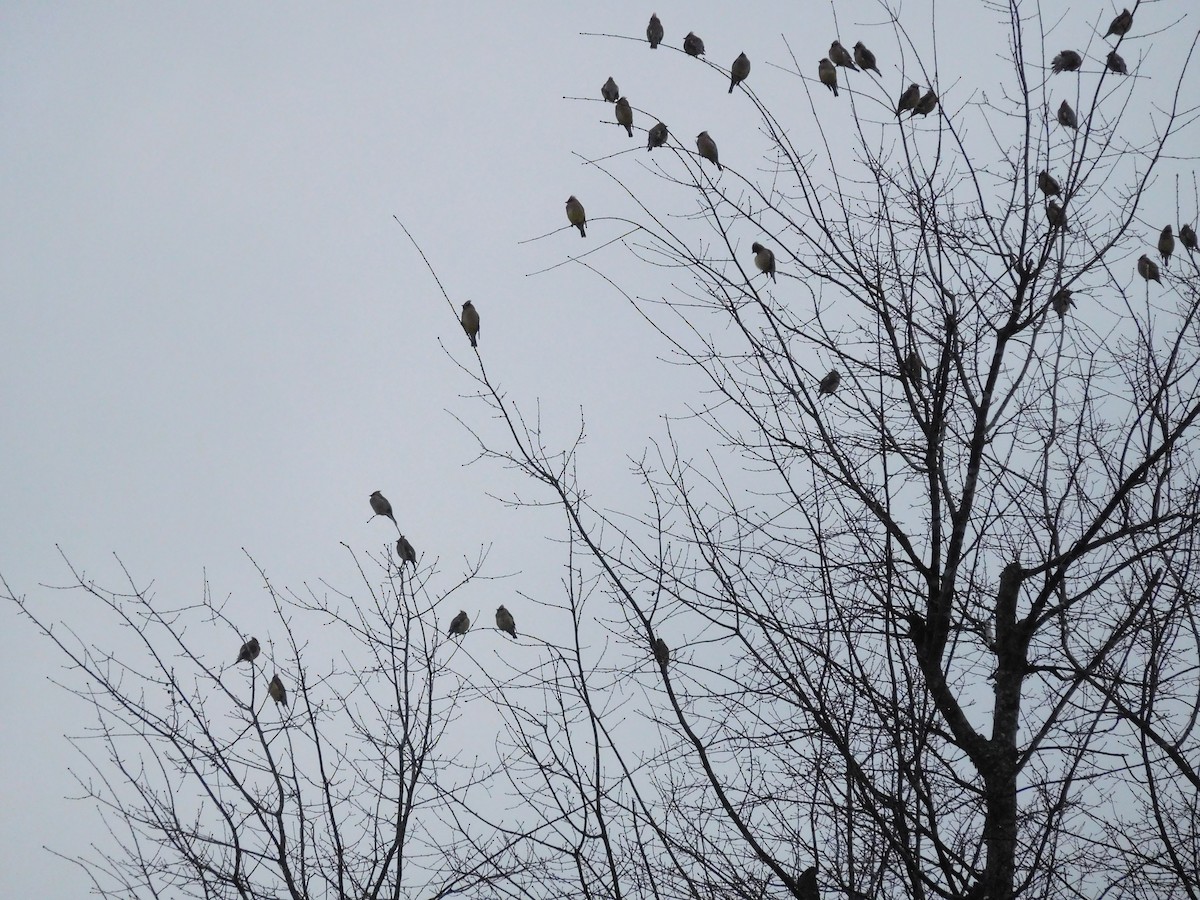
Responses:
[1115,63]
[829,383]
[277,691]
[707,148]
[460,623]
[828,75]
[1148,268]
[470,322]
[625,115]
[576,215]
[1048,185]
[662,653]
[609,90]
[1067,61]
[657,136]
[249,651]
[1166,246]
[381,507]
[764,259]
[1061,301]
[865,59]
[692,45]
[505,622]
[654,31]
[909,99]
[739,71]
[1066,116]
[840,56]
[1121,24]
[1187,237]
[405,551]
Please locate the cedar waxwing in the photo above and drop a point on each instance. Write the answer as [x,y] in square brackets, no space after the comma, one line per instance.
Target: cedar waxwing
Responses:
[865,59]
[1148,268]
[381,507]
[405,551]
[1166,246]
[913,367]
[504,621]
[829,383]
[625,115]
[806,885]
[1114,63]
[764,259]
[277,691]
[1047,185]
[1066,116]
[828,75]
[460,623]
[249,651]
[692,45]
[654,31]
[1187,237]
[609,90]
[927,104]
[1056,215]
[662,653]
[840,56]
[576,215]
[657,136]
[1121,24]
[707,148]
[1067,61]
[1061,301]
[739,71]
[470,321]
[909,99]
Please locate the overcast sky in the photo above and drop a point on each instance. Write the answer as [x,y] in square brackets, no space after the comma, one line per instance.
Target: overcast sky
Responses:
[215,336]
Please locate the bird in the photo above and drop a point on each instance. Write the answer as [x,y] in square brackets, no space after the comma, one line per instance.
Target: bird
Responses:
[504,621]
[927,104]
[840,56]
[576,215]
[909,99]
[1114,63]
[381,507]
[1121,24]
[249,651]
[1056,215]
[1148,268]
[806,885]
[865,59]
[662,653]
[277,691]
[1166,246]
[707,148]
[609,90]
[654,31]
[1066,61]
[1187,237]
[406,551]
[657,136]
[829,383]
[828,75]
[470,322]
[1048,185]
[460,623]
[913,367]
[692,45]
[1066,116]
[625,115]
[989,634]
[739,71]
[764,259]
[1061,301]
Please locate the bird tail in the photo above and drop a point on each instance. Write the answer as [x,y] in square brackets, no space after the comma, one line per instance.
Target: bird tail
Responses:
[582,233]
[473,344]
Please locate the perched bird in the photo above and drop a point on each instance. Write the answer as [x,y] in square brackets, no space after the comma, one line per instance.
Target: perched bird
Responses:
[277,691]
[662,653]
[1048,185]
[764,259]
[806,885]
[657,136]
[1166,246]
[989,634]
[625,115]
[927,104]
[909,99]
[1121,24]
[1056,215]
[1187,237]
[1061,301]
[1114,63]
[840,56]
[1148,268]
[865,59]
[249,651]
[707,148]
[576,215]
[405,551]
[828,75]
[504,621]
[609,90]
[739,71]
[692,45]
[1066,116]
[913,367]
[470,321]
[654,31]
[460,623]
[829,383]
[1067,61]
[381,507]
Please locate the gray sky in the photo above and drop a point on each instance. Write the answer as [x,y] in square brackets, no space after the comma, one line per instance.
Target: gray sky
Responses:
[215,337]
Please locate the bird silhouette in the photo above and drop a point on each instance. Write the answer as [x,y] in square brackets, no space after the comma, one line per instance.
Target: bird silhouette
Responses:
[1121,24]
[840,56]
[1066,116]
[909,99]
[927,104]
[654,31]
[381,507]
[1047,184]
[865,59]
[576,215]
[1166,246]
[1066,61]
[806,885]
[913,367]
[1148,268]
[277,691]
[828,75]
[1187,237]
[1114,63]
[764,259]
[657,136]
[1056,215]
[609,90]
[662,653]
[460,623]
[692,45]
[504,621]
[405,551]
[249,651]
[739,71]
[829,383]
[470,322]
[707,148]
[625,115]
[1061,301]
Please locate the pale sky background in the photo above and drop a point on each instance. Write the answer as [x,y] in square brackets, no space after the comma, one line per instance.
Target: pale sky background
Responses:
[215,337]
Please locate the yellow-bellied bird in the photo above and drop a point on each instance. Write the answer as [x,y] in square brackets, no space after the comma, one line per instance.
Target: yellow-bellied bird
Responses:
[504,621]
[625,115]
[277,691]
[249,651]
[764,259]
[460,623]
[828,75]
[707,148]
[739,71]
[381,507]
[576,215]
[1148,268]
[470,322]
[865,59]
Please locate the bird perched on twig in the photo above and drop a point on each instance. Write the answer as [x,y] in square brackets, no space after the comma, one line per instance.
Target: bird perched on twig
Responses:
[829,383]
[609,90]
[913,368]
[909,99]
[1056,215]
[840,56]
[1148,268]
[460,623]
[1066,116]
[1048,185]
[249,651]
[504,621]
[1066,61]
[470,322]
[927,104]
[625,115]
[381,507]
[865,59]
[654,31]
[692,45]
[657,136]
[1121,24]
[1114,63]
[739,71]
[806,885]
[764,259]
[576,215]
[1061,301]
[1166,246]
[277,691]
[405,551]
[707,148]
[662,653]
[828,74]
[1187,237]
